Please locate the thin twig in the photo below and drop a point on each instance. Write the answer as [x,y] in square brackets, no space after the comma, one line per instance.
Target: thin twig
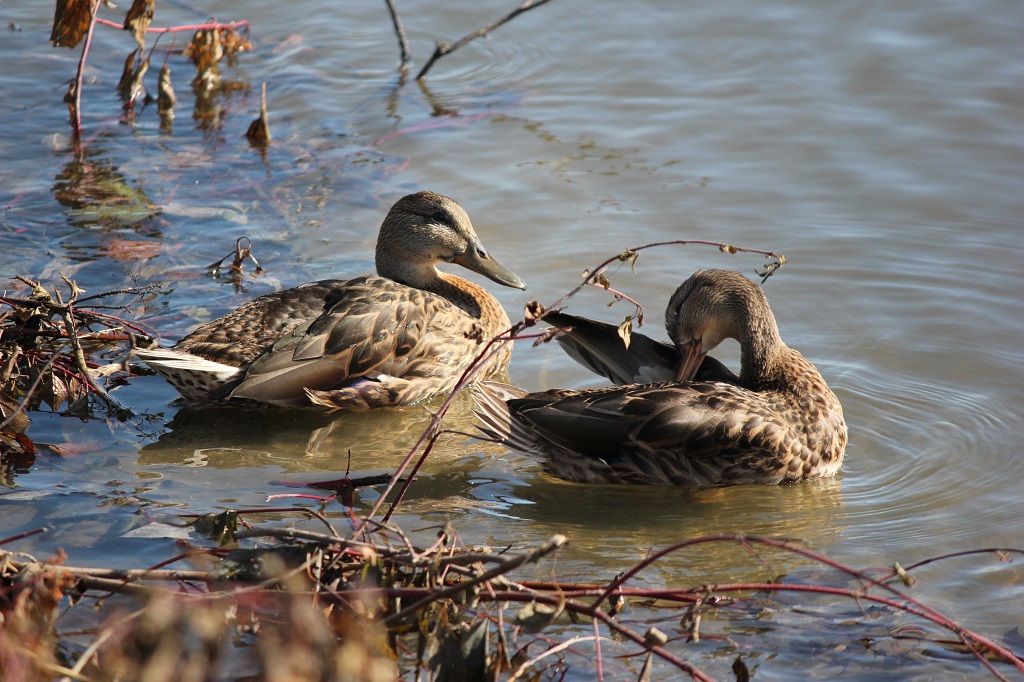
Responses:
[76,121]
[76,348]
[403,41]
[443,48]
[550,652]
[555,542]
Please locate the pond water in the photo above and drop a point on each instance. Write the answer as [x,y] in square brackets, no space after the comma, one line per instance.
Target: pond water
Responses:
[877,145]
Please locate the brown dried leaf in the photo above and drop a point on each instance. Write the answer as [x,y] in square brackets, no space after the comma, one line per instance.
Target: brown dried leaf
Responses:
[533,312]
[139,17]
[69,99]
[602,280]
[130,86]
[535,616]
[259,130]
[233,42]
[740,669]
[205,51]
[71,21]
[166,98]
[905,578]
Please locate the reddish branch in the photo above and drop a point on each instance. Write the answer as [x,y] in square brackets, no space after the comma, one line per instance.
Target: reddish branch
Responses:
[231,25]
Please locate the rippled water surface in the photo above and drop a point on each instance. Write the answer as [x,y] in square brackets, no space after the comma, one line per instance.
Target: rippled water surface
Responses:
[878,146]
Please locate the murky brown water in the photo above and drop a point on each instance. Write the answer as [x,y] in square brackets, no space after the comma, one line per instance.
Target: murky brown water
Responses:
[878,146]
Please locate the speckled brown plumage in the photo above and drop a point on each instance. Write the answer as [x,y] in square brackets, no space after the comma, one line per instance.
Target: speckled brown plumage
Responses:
[378,340]
[777,422]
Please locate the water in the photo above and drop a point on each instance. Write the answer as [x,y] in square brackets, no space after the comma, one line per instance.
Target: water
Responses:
[878,146]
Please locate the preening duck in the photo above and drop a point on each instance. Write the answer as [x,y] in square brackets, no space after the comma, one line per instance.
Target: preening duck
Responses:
[394,338]
[777,422]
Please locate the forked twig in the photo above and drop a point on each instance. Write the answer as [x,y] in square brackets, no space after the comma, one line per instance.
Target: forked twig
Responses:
[442,48]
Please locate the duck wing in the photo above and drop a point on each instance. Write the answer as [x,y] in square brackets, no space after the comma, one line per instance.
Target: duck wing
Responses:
[700,433]
[378,342]
[250,330]
[598,346]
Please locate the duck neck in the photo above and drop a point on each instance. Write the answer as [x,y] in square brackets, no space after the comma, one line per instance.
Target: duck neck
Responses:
[469,296]
[762,351]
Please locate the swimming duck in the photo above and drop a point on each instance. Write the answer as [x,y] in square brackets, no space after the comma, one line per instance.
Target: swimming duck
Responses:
[394,338]
[777,422]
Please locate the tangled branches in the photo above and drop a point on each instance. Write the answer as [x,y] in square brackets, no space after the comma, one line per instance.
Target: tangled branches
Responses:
[43,341]
[396,607]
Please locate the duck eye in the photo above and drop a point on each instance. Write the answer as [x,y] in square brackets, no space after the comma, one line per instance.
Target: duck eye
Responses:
[440,216]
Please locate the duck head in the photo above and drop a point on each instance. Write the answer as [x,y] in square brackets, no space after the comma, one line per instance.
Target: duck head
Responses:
[714,305]
[424,229]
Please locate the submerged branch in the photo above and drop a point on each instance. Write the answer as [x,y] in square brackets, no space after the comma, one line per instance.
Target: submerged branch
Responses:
[403,40]
[442,48]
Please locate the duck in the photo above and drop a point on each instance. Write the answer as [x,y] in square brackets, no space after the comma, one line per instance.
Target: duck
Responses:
[777,422]
[395,338]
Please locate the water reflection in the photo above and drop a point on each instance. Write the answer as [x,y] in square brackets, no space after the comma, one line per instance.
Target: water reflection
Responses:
[98,194]
[228,437]
[608,524]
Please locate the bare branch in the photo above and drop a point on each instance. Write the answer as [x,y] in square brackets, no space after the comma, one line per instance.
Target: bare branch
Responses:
[403,41]
[443,48]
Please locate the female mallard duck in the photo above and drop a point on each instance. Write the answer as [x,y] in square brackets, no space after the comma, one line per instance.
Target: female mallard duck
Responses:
[777,422]
[396,338]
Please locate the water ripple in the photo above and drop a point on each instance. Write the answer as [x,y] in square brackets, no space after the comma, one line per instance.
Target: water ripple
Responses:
[926,458]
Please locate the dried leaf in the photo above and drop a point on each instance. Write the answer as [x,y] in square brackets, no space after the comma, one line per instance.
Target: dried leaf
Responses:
[130,85]
[602,280]
[206,50]
[220,527]
[259,130]
[533,312]
[71,21]
[69,99]
[165,97]
[534,616]
[741,670]
[626,330]
[233,42]
[138,19]
[905,578]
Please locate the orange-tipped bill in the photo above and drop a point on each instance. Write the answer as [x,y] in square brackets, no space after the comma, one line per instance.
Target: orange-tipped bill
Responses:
[690,357]
[477,259]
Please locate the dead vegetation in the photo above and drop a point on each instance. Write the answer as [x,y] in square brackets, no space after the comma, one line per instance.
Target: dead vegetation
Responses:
[305,605]
[212,43]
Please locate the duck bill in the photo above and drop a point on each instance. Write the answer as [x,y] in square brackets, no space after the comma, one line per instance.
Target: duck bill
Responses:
[477,259]
[690,357]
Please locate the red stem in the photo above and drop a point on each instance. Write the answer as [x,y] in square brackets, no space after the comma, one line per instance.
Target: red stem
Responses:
[175,29]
